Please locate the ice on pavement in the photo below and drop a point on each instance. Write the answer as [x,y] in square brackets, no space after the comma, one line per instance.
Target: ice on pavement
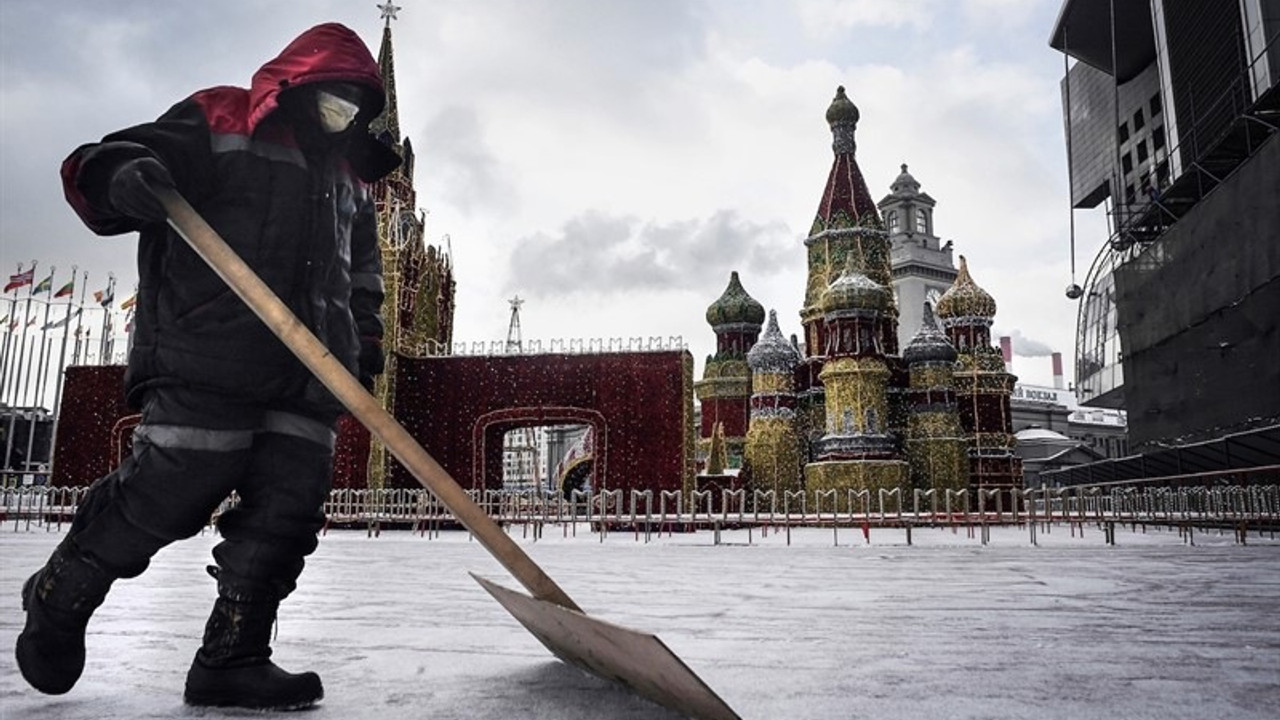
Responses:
[944,628]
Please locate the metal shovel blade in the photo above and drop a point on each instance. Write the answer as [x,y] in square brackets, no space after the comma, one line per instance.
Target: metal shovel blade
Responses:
[639,661]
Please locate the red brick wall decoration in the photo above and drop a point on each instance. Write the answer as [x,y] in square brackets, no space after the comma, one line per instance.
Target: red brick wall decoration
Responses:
[458,407]
[640,404]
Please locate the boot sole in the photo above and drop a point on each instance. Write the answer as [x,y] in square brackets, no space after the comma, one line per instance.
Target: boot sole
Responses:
[197,701]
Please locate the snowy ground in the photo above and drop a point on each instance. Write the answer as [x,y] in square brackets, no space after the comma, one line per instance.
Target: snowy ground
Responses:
[944,628]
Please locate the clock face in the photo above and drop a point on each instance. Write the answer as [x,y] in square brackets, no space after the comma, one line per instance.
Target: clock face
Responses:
[933,296]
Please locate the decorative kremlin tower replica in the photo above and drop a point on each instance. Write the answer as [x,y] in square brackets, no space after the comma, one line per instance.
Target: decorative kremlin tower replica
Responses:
[418,279]
[774,448]
[937,445]
[725,388]
[850,326]
[983,388]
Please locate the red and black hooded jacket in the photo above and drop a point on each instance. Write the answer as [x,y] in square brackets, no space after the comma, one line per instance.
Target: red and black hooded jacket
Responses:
[297,211]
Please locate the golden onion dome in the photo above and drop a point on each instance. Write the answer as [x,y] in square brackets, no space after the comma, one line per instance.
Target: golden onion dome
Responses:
[965,299]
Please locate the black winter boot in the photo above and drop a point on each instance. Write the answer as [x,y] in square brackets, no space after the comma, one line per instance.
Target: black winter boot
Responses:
[59,599]
[233,668]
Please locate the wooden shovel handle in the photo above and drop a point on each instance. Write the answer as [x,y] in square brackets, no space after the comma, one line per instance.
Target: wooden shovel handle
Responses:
[300,340]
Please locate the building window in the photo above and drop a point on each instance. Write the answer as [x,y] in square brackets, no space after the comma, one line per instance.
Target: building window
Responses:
[1126,162]
[892,219]
[1128,194]
[922,221]
[1155,105]
[1123,132]
[1162,174]
[1157,137]
[1142,151]
[1137,120]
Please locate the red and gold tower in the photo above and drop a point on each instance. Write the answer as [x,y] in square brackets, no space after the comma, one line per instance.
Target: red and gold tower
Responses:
[983,388]
[773,449]
[725,389]
[937,445]
[847,223]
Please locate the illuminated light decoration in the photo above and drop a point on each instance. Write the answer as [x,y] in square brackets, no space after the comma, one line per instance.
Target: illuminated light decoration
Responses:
[983,389]
[850,328]
[418,278]
[847,222]
[936,444]
[638,404]
[857,450]
[725,389]
[773,455]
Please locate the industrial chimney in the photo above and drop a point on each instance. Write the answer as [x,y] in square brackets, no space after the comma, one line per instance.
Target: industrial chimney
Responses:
[1006,349]
[1057,371]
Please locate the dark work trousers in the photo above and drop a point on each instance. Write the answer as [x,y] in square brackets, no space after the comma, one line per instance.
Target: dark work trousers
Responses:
[190,451]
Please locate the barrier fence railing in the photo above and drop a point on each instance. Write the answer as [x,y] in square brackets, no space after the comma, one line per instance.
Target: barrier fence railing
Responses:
[648,511]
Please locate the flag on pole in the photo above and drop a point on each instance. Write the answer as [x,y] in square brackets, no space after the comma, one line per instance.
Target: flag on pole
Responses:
[31,320]
[67,289]
[45,285]
[21,279]
[104,297]
[130,302]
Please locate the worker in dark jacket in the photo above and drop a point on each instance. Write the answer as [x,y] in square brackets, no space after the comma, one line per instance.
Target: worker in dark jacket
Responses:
[280,171]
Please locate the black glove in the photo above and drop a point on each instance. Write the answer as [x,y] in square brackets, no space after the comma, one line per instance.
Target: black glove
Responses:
[372,363]
[130,189]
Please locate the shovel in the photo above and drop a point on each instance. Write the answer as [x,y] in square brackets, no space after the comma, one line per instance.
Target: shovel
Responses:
[638,661]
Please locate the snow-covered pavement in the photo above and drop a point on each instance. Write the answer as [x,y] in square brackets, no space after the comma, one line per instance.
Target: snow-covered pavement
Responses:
[944,628]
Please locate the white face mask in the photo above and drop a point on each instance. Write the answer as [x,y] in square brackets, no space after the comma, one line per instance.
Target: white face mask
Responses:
[336,114]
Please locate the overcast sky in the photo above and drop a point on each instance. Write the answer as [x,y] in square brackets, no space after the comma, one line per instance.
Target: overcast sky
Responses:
[611,162]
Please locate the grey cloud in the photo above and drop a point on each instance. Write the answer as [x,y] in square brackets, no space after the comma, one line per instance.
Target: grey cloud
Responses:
[600,253]
[464,172]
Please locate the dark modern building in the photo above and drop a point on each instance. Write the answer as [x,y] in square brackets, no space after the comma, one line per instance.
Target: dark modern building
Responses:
[1171,110]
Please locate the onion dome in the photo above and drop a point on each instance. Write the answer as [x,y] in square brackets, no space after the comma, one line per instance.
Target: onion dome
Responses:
[842,109]
[853,290]
[929,344]
[843,116]
[773,353]
[735,306]
[965,299]
[905,183]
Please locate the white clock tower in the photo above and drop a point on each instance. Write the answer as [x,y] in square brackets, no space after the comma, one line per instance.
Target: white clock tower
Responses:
[922,265]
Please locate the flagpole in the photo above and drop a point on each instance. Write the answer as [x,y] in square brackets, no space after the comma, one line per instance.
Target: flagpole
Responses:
[16,377]
[103,344]
[13,416]
[62,354]
[36,368]
[8,337]
[32,418]
[75,356]
[42,368]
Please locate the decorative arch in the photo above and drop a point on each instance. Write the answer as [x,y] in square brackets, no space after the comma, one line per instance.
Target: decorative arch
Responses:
[640,405]
[489,428]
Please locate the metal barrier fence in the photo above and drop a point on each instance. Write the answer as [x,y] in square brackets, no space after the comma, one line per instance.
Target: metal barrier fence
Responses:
[1216,505]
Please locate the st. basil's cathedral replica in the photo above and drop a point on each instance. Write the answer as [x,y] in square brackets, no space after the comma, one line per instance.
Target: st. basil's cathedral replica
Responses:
[847,410]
